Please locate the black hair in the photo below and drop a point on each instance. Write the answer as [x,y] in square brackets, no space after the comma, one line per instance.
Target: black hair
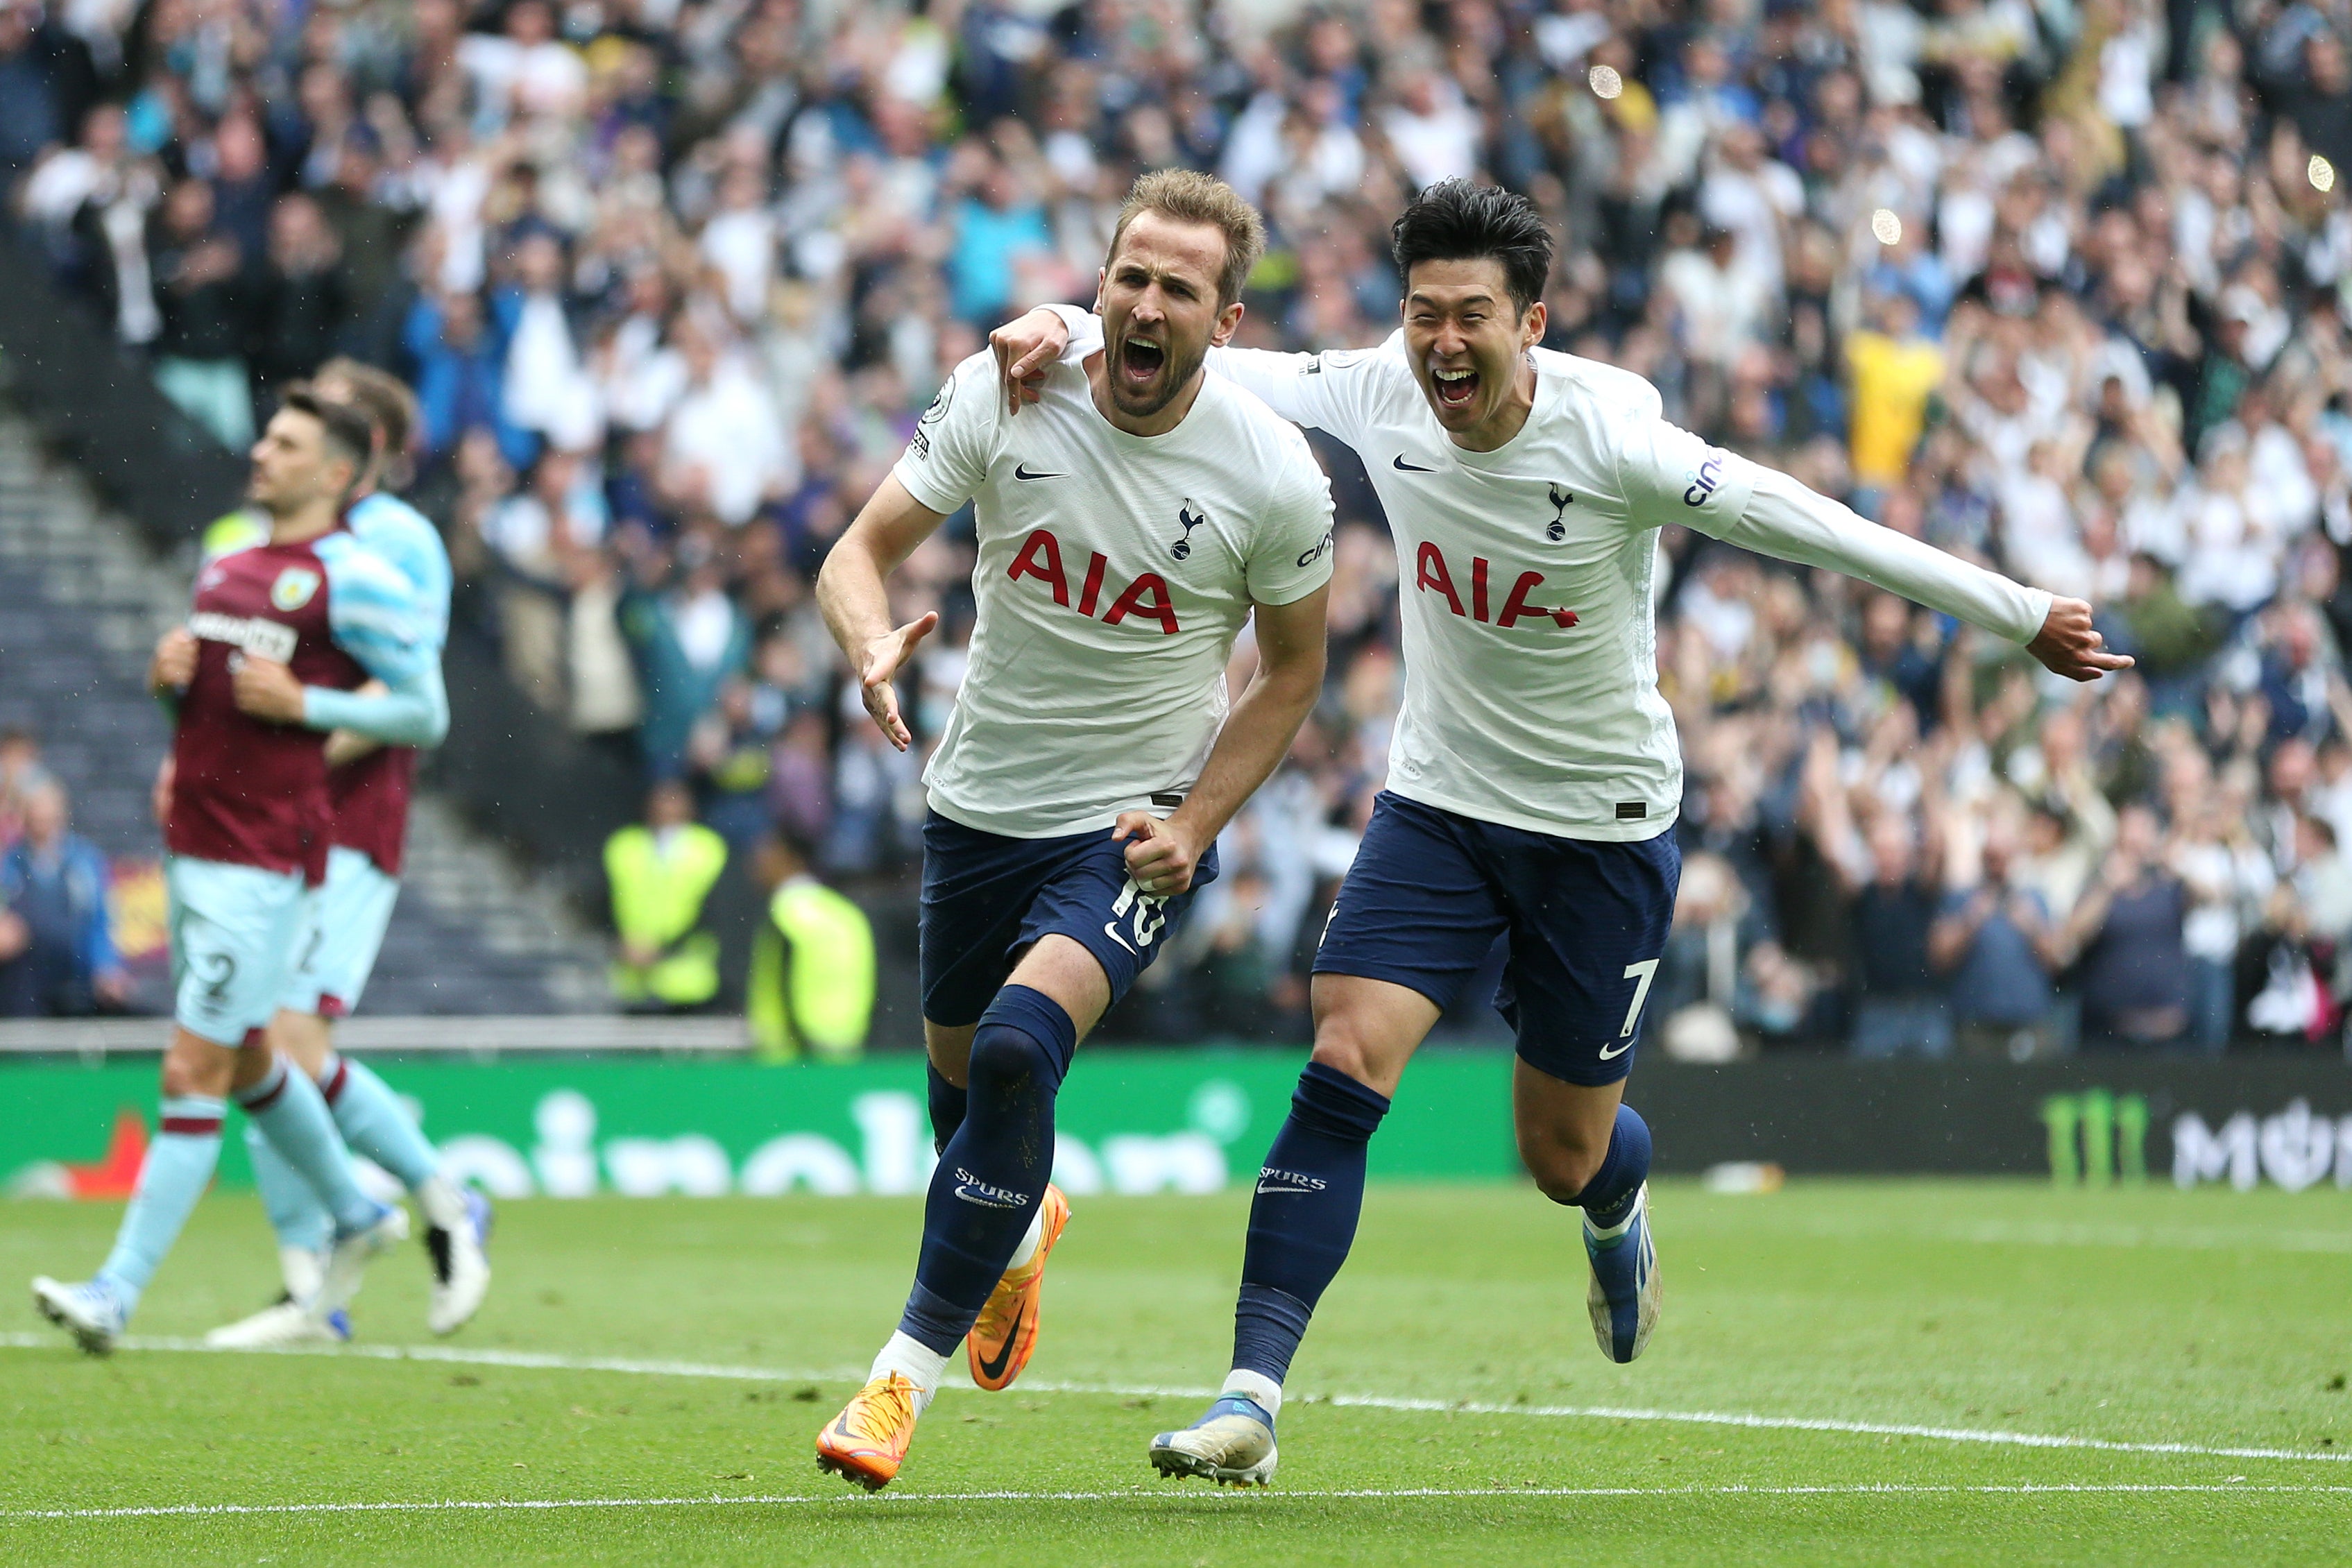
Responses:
[349,434]
[1456,220]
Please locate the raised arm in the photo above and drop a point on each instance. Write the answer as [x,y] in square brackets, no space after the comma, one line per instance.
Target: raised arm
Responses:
[850,591]
[1162,855]
[1293,385]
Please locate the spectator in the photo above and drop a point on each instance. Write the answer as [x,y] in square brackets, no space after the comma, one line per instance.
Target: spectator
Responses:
[2129,932]
[53,888]
[687,641]
[302,303]
[658,878]
[204,297]
[811,987]
[1991,939]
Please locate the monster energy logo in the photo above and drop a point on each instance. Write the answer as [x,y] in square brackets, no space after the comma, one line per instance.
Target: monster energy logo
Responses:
[2096,1137]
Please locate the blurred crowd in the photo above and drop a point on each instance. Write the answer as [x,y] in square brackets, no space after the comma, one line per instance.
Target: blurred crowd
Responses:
[2060,285]
[57,951]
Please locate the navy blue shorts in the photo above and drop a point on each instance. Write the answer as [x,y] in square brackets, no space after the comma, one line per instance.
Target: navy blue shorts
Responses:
[1586,922]
[986,897]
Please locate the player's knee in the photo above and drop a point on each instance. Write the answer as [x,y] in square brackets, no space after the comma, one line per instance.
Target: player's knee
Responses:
[1024,1040]
[1344,1049]
[194,1067]
[1562,1166]
[1005,1058]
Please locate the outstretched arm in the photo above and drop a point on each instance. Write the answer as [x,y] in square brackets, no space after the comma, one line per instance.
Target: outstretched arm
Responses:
[1670,476]
[850,591]
[1162,855]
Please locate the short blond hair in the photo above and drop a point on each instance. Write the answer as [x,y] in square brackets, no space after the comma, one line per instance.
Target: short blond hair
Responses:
[1186,196]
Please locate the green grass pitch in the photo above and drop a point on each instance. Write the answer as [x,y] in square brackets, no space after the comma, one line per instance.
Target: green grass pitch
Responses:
[1850,1318]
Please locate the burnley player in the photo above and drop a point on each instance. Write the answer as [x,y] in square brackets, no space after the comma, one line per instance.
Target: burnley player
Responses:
[247,833]
[1126,528]
[1534,777]
[369,782]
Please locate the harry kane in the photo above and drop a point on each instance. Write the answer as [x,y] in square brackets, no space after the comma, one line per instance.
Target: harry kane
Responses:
[1126,528]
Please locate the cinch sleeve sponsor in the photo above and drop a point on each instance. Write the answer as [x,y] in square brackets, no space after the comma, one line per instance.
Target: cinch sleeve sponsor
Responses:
[947,460]
[1292,556]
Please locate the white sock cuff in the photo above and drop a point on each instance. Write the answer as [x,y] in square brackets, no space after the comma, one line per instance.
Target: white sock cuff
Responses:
[303,1270]
[443,1201]
[1255,1386]
[1641,1202]
[1030,1239]
[916,1362]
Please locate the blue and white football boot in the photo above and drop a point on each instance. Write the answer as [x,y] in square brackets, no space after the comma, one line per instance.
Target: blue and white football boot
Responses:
[1232,1445]
[91,1313]
[1624,1298]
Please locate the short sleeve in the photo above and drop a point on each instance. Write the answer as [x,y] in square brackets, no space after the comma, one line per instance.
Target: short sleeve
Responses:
[371,614]
[1292,553]
[1670,475]
[947,460]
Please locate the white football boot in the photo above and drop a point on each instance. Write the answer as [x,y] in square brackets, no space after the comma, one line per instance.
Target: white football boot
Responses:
[461,1266]
[1232,1445]
[89,1312]
[347,1263]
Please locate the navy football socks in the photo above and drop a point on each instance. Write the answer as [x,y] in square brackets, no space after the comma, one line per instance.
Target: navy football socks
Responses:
[948,1103]
[1303,1220]
[993,1171]
[1607,1199]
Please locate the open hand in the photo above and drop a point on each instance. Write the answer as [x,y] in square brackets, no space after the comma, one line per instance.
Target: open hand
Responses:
[2069,645]
[267,689]
[1160,854]
[1024,349]
[878,667]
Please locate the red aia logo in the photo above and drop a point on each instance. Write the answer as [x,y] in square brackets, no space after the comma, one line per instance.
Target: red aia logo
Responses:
[1429,572]
[1147,597]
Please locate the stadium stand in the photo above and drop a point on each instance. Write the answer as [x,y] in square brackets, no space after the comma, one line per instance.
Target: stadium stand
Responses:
[2061,285]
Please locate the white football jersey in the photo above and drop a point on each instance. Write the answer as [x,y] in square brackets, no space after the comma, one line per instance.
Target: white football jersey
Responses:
[1113,572]
[1530,643]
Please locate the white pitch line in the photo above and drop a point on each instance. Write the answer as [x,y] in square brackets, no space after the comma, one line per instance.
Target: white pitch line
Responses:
[541,1361]
[849,1500]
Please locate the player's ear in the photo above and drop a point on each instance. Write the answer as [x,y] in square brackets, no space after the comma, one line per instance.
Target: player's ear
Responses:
[1102,287]
[1229,322]
[1532,325]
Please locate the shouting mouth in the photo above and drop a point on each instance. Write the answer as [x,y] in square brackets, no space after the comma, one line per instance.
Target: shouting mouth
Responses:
[1456,389]
[1140,362]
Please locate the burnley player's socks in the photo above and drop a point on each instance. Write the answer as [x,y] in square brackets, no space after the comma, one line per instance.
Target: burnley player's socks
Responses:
[292,1115]
[1303,1219]
[298,1220]
[947,1107]
[375,1124]
[1607,1199]
[178,1167]
[986,1188]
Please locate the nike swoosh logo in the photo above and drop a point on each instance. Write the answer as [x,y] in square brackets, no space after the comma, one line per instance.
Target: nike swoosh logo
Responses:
[1404,467]
[993,1370]
[1611,1055]
[1110,930]
[1021,471]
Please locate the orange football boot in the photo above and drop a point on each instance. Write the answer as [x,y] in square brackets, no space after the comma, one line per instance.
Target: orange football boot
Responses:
[867,1441]
[1006,1331]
